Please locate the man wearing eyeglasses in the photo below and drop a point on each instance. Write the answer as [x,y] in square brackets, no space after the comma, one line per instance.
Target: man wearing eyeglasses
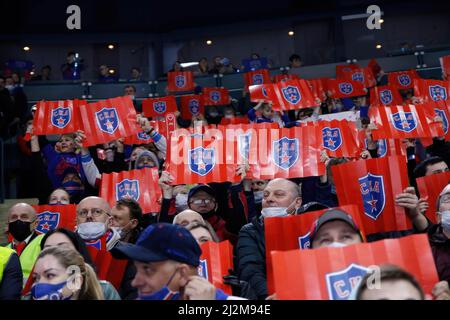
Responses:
[94,222]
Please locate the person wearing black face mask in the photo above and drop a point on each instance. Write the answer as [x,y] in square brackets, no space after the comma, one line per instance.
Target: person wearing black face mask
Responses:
[22,223]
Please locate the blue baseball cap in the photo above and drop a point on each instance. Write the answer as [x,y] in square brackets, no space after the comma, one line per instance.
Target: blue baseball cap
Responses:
[161,242]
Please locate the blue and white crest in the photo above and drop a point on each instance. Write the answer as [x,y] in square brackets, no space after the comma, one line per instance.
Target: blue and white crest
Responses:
[443,115]
[341,284]
[201,160]
[404,80]
[143,135]
[47,221]
[258,79]
[244,145]
[438,93]
[332,138]
[386,96]
[107,120]
[358,76]
[180,81]
[404,121]
[194,106]
[214,96]
[128,189]
[160,106]
[61,117]
[373,195]
[285,152]
[203,269]
[291,94]
[304,242]
[345,88]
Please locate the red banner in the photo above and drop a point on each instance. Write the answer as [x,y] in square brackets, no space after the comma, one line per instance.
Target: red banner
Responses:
[180,81]
[235,120]
[292,95]
[215,261]
[138,139]
[256,77]
[52,217]
[266,93]
[200,159]
[333,273]
[345,88]
[191,105]
[403,79]
[407,121]
[215,96]
[445,65]
[284,77]
[108,120]
[140,185]
[432,90]
[363,75]
[292,232]
[342,68]
[159,107]
[385,147]
[385,95]
[373,184]
[317,87]
[431,186]
[57,117]
[375,67]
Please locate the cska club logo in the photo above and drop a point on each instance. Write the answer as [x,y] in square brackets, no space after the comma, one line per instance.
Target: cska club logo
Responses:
[214,96]
[341,284]
[107,120]
[285,152]
[443,115]
[143,135]
[358,76]
[258,79]
[201,160]
[244,145]
[304,241]
[47,221]
[61,117]
[404,121]
[438,93]
[97,244]
[128,189]
[180,81]
[332,138]
[386,96]
[373,195]
[202,269]
[404,80]
[291,94]
[159,106]
[194,106]
[345,88]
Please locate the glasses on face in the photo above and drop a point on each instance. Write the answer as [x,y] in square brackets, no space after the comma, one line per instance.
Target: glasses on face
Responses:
[202,201]
[445,198]
[95,212]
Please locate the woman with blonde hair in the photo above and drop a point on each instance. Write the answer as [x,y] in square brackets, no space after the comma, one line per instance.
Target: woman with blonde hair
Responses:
[60,273]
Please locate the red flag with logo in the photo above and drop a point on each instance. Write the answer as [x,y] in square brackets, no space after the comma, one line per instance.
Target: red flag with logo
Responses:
[191,105]
[140,185]
[318,90]
[363,75]
[264,92]
[256,77]
[333,273]
[52,217]
[385,147]
[293,94]
[159,107]
[57,117]
[138,139]
[373,184]
[338,88]
[215,96]
[292,232]
[180,81]
[431,186]
[385,95]
[403,79]
[432,90]
[215,261]
[108,120]
[284,76]
[342,68]
[445,65]
[407,121]
[200,159]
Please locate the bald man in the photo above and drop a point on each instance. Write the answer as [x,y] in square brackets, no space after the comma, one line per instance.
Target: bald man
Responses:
[281,198]
[186,217]
[94,222]
[22,223]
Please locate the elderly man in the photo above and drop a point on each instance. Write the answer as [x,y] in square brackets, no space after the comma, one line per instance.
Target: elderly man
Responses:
[22,223]
[281,198]
[186,217]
